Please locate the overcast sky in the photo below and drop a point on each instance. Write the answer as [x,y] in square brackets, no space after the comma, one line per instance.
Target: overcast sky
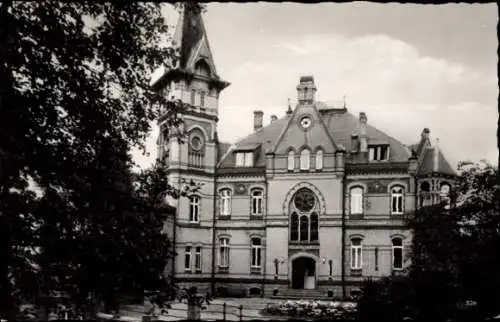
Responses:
[407,66]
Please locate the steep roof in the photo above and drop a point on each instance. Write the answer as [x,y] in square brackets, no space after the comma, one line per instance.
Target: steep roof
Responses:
[292,136]
[427,165]
[343,124]
[339,124]
[264,138]
[190,35]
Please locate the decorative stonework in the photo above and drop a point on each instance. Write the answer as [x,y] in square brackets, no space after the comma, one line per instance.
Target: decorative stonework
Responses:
[292,252]
[297,187]
[378,186]
[240,189]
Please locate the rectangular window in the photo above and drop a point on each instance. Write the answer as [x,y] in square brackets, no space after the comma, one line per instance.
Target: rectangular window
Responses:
[356,197]
[356,249]
[244,159]
[256,255]
[193,97]
[249,159]
[197,259]
[225,202]
[378,153]
[257,198]
[202,99]
[240,159]
[187,259]
[224,253]
[397,254]
[194,209]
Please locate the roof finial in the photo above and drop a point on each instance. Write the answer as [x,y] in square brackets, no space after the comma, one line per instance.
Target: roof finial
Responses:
[344,102]
[289,111]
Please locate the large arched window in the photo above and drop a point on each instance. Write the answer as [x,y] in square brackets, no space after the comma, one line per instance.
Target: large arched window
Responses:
[397,253]
[305,158]
[356,200]
[225,202]
[304,220]
[397,200]
[291,160]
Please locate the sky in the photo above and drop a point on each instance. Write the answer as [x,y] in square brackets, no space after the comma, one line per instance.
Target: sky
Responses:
[407,66]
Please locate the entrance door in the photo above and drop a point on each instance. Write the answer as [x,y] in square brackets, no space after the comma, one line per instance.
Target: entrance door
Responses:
[303,273]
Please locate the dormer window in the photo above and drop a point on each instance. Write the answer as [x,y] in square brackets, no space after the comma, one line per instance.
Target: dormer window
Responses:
[244,159]
[378,152]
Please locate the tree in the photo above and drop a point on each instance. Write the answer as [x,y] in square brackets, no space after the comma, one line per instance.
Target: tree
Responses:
[74,99]
[454,255]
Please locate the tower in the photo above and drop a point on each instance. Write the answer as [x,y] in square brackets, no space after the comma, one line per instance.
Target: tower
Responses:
[190,150]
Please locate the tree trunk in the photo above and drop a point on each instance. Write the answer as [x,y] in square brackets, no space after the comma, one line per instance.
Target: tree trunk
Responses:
[194,311]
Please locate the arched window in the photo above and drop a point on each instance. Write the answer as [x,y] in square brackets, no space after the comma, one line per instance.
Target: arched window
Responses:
[319,159]
[256,252]
[224,252]
[356,253]
[444,194]
[397,199]
[291,160]
[202,68]
[193,97]
[294,227]
[314,227]
[225,202]
[305,157]
[356,198]
[304,219]
[397,253]
[257,202]
[194,209]
[304,228]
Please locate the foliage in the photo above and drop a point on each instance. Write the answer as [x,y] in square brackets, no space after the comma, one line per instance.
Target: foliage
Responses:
[75,98]
[454,257]
[318,310]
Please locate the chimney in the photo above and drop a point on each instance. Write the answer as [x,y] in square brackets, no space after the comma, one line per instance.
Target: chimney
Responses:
[425,133]
[354,142]
[436,156]
[289,111]
[257,120]
[273,118]
[306,90]
[363,139]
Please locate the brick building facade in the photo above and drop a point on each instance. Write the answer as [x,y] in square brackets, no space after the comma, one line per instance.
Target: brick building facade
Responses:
[314,200]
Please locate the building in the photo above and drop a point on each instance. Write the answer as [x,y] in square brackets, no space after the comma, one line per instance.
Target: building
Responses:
[314,200]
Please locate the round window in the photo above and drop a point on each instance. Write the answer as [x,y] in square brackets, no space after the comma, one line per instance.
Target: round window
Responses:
[196,142]
[305,122]
[304,200]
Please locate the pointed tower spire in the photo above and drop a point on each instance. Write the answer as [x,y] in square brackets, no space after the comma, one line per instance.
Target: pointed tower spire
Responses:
[191,41]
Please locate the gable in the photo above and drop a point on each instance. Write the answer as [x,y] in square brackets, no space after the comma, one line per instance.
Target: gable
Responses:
[296,136]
